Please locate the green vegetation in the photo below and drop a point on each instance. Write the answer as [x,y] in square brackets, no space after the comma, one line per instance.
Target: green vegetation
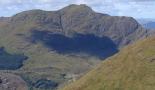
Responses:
[44,61]
[133,68]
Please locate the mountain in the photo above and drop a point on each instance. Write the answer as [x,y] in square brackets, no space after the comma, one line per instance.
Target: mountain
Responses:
[131,69]
[81,19]
[147,23]
[144,20]
[53,47]
[150,25]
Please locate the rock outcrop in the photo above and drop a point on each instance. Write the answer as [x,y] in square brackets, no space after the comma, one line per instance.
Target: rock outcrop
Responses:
[12,82]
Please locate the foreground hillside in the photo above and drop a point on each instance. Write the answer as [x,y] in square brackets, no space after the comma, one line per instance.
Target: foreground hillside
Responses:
[51,47]
[133,68]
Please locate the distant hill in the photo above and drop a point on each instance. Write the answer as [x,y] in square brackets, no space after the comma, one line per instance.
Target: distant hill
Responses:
[147,23]
[131,69]
[150,25]
[4,19]
[66,43]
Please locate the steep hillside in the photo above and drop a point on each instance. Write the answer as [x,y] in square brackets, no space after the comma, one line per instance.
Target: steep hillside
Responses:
[62,45]
[133,68]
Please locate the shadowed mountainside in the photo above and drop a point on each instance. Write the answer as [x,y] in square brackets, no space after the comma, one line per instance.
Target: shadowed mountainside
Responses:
[11,61]
[90,44]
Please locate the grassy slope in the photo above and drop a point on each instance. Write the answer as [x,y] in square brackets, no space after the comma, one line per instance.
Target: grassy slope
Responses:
[131,69]
[41,62]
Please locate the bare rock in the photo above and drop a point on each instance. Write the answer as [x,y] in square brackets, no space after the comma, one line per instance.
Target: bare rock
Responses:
[12,82]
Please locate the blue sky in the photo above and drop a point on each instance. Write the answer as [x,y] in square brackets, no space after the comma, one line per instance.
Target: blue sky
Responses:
[134,8]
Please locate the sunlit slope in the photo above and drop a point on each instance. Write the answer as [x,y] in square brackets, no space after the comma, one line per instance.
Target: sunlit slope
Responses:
[131,69]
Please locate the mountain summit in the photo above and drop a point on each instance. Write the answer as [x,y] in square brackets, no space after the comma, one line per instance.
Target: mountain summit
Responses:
[74,7]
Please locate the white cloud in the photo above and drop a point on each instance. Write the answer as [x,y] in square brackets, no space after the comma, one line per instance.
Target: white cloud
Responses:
[45,1]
